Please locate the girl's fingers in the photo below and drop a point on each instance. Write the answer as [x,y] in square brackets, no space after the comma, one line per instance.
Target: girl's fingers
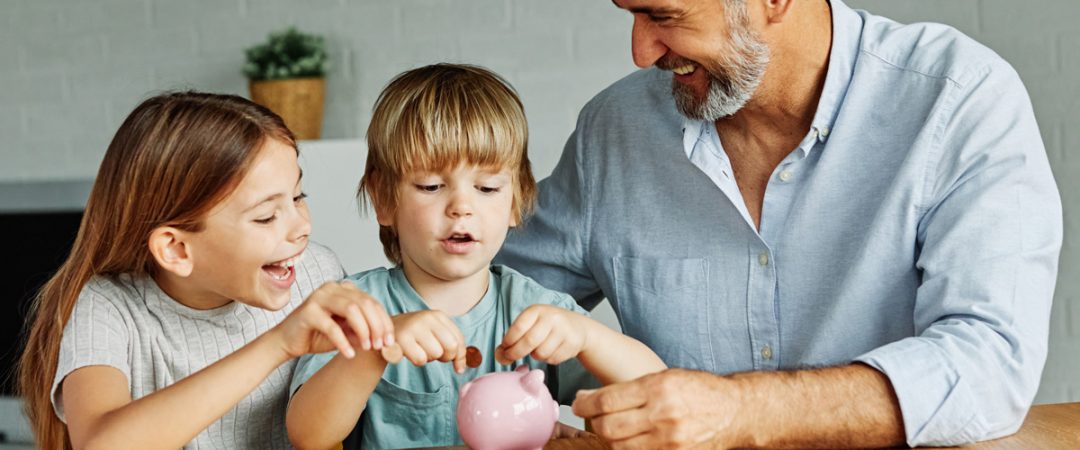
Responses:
[359,326]
[333,332]
[375,315]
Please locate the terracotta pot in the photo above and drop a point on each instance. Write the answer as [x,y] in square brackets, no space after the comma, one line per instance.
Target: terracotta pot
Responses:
[299,101]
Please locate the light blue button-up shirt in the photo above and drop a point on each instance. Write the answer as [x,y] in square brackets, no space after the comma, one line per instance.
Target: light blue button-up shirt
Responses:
[915,229]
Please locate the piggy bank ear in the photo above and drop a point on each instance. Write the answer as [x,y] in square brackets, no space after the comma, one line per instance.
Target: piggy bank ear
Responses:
[465,389]
[534,382]
[522,368]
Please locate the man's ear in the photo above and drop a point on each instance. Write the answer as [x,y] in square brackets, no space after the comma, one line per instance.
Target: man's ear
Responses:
[776,10]
[170,250]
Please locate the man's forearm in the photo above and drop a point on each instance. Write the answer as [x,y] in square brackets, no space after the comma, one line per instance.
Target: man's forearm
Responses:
[852,406]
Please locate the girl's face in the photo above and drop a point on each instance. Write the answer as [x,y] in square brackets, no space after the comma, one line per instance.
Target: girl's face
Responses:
[251,240]
[450,225]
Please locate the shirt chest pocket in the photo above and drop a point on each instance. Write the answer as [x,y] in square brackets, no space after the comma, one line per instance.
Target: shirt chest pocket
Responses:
[664,303]
[396,417]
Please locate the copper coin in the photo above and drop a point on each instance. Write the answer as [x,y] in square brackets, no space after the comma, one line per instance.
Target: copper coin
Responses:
[473,357]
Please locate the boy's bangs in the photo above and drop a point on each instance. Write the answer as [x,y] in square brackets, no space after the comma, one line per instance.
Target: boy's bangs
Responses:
[449,130]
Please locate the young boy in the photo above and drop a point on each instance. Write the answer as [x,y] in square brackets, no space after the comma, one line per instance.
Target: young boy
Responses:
[447,175]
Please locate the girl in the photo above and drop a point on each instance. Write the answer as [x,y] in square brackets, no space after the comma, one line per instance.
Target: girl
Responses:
[176,318]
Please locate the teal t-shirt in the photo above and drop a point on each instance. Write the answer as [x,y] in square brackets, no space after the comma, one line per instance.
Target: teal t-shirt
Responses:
[415,406]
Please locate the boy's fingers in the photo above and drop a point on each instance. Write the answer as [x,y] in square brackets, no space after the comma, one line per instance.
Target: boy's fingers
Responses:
[433,349]
[547,347]
[413,352]
[524,322]
[392,353]
[529,342]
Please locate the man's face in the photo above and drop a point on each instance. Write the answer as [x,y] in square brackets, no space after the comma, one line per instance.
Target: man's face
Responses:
[716,57]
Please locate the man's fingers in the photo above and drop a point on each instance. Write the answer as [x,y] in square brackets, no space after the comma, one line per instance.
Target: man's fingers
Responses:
[644,441]
[609,399]
[623,424]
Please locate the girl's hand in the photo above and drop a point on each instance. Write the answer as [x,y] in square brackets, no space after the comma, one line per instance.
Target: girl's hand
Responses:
[336,315]
[426,336]
[549,333]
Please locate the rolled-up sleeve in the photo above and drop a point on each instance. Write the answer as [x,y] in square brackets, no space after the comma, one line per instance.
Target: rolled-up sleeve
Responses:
[988,244]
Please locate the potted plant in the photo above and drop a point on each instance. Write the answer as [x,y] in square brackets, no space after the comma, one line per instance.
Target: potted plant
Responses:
[286,75]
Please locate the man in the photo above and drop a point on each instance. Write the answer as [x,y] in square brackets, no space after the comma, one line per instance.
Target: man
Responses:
[855,216]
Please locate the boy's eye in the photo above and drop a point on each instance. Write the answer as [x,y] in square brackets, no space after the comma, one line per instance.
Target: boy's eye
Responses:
[487,189]
[300,197]
[428,187]
[266,220]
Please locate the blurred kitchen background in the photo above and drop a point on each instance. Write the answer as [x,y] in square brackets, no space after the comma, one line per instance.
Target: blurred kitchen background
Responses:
[70,70]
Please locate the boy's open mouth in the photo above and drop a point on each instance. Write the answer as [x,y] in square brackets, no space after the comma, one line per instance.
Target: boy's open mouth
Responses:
[460,238]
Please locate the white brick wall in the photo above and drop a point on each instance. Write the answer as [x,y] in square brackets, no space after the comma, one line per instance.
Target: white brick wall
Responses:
[71,70]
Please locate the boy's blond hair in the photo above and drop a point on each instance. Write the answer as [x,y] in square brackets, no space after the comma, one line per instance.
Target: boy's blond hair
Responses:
[434,118]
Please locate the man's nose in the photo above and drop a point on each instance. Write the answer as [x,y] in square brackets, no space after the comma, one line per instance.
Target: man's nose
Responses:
[644,44]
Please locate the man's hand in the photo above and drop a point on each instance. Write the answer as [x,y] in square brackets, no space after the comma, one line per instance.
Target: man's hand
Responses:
[675,408]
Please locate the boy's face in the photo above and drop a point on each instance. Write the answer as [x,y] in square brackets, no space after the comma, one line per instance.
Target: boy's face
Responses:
[450,225]
[249,238]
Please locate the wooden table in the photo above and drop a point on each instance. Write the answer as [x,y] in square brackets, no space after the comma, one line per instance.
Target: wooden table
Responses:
[1046,427]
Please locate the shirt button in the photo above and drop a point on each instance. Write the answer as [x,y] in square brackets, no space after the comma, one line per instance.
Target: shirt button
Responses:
[824,132]
[763,259]
[766,352]
[785,176]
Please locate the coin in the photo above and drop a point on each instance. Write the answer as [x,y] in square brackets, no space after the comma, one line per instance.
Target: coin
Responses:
[473,357]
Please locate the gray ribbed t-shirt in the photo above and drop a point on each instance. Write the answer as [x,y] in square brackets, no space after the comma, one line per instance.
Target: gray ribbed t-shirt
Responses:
[129,323]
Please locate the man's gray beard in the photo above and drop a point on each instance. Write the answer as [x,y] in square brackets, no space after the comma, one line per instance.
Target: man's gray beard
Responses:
[730,89]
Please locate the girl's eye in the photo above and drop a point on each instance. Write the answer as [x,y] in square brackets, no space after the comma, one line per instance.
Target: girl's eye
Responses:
[299,198]
[488,190]
[428,187]
[266,220]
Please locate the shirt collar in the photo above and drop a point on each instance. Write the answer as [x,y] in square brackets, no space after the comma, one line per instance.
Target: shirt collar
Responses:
[847,35]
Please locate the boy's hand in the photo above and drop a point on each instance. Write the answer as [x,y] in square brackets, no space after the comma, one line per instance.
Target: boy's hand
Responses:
[336,315]
[426,336]
[548,333]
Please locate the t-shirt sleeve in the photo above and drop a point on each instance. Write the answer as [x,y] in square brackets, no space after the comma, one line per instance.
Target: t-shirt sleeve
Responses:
[306,367]
[96,334]
[565,301]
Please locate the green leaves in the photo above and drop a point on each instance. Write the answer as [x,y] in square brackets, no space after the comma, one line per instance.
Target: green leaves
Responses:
[287,54]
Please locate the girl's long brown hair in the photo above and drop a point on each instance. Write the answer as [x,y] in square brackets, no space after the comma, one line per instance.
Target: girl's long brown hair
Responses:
[174,158]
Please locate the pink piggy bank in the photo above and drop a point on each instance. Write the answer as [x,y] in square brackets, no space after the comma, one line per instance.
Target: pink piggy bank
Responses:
[507,411]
